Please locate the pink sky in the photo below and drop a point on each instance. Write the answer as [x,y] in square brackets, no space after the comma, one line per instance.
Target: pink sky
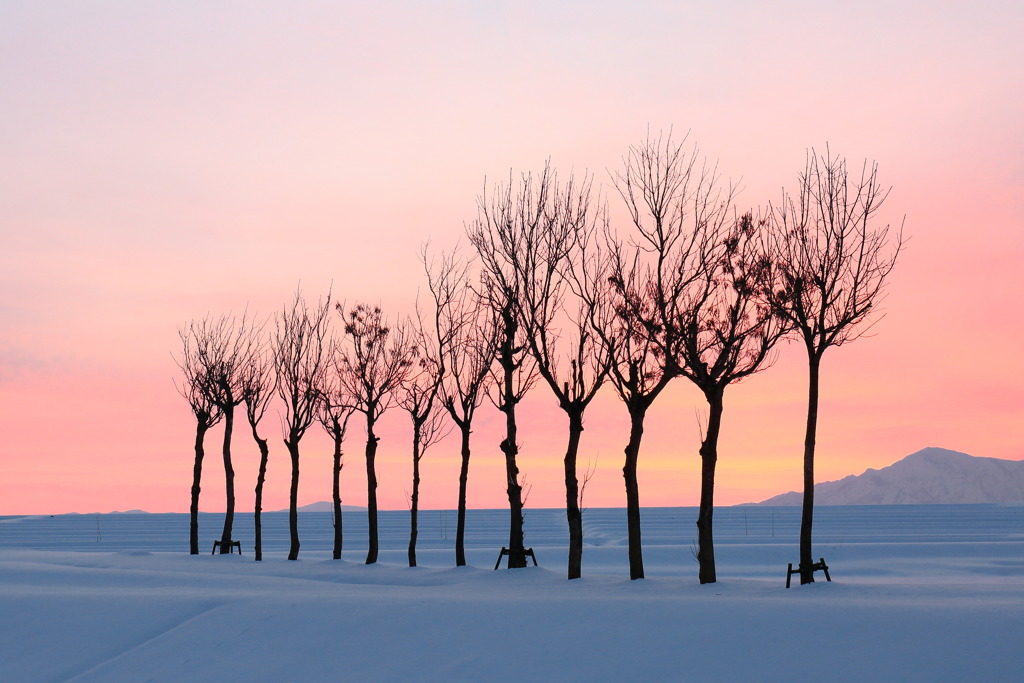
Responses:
[158,163]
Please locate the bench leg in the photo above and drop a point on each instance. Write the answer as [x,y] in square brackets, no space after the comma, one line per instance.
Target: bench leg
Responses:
[503,553]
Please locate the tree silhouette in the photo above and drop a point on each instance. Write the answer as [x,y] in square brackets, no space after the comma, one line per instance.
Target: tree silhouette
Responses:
[727,333]
[650,276]
[418,395]
[466,335]
[512,211]
[639,370]
[335,410]
[569,356]
[300,363]
[257,384]
[376,361]
[225,355]
[695,288]
[196,389]
[834,260]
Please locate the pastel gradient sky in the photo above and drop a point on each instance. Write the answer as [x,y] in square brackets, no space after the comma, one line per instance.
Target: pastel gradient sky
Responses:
[159,161]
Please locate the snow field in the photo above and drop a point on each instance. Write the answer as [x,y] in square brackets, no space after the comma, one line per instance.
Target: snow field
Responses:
[928,593]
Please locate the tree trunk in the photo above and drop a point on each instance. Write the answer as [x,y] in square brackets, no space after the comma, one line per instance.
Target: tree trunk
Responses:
[293,498]
[229,481]
[637,413]
[516,547]
[460,531]
[371,491]
[336,432]
[414,503]
[197,474]
[708,461]
[507,362]
[572,497]
[807,518]
[260,479]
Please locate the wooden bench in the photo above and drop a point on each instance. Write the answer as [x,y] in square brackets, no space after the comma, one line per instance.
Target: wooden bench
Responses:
[231,547]
[817,566]
[527,552]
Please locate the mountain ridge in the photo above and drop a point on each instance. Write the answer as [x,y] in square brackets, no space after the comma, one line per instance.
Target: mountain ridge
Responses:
[929,476]
[325,506]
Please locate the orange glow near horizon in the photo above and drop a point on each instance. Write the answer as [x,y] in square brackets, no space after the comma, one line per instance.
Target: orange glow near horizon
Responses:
[160,165]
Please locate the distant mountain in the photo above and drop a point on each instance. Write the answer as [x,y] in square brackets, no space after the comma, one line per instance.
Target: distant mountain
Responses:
[325,506]
[112,512]
[932,475]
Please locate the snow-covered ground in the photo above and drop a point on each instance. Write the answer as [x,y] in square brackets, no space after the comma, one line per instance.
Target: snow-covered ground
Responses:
[926,593]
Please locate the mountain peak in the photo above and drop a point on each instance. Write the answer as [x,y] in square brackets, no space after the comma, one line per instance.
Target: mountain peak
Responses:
[933,452]
[930,475]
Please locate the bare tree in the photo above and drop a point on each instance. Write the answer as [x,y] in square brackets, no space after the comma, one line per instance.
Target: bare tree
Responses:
[375,363]
[727,333]
[649,278]
[196,389]
[418,396]
[511,210]
[639,371]
[225,357]
[693,287]
[466,335]
[335,410]
[300,362]
[257,390]
[835,259]
[568,355]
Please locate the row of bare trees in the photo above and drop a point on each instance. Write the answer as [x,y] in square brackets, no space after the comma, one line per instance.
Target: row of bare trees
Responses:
[689,286]
[317,378]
